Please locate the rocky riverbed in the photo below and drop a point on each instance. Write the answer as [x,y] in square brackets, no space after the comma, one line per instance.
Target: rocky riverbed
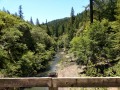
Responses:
[67,67]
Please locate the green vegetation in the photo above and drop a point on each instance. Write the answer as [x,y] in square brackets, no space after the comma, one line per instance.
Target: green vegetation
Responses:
[26,48]
[94,41]
[98,45]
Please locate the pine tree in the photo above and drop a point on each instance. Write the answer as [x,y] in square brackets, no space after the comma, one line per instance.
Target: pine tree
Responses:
[8,11]
[63,29]
[37,22]
[111,9]
[71,26]
[20,12]
[48,30]
[56,30]
[31,21]
[72,15]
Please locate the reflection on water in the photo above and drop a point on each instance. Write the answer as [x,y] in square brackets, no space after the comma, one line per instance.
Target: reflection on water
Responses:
[53,67]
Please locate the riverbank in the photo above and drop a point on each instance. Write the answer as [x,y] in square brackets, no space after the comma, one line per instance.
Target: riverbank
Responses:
[67,67]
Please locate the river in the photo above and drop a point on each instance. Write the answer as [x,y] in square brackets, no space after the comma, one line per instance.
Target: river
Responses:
[53,67]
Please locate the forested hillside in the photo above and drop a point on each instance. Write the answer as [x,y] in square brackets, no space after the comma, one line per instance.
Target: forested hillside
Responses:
[25,49]
[93,36]
[96,43]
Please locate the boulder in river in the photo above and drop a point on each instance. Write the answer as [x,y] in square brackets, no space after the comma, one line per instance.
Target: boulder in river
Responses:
[52,74]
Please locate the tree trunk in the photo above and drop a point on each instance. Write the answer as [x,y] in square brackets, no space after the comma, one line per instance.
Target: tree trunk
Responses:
[91,11]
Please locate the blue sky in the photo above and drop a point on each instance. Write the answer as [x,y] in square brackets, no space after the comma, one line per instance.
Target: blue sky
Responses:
[44,9]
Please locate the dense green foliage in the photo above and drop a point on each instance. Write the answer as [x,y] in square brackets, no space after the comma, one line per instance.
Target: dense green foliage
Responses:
[96,45]
[25,49]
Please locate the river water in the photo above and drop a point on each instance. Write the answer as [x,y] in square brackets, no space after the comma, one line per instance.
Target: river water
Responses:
[53,68]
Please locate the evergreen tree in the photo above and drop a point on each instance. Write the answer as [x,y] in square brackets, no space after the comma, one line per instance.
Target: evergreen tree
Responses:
[104,9]
[111,10]
[20,12]
[62,29]
[8,11]
[48,30]
[37,22]
[118,10]
[71,25]
[31,21]
[56,31]
[72,15]
[76,23]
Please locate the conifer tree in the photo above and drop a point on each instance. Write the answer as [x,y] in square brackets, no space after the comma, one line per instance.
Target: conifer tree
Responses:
[31,21]
[8,11]
[20,12]
[48,30]
[63,29]
[71,27]
[37,22]
[56,31]
[118,10]
[72,15]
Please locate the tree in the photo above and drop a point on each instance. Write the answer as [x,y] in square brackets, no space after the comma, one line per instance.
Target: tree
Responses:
[72,15]
[31,21]
[61,30]
[104,9]
[56,30]
[20,12]
[8,11]
[25,49]
[48,30]
[118,11]
[91,11]
[37,22]
[71,25]
[71,32]
[111,10]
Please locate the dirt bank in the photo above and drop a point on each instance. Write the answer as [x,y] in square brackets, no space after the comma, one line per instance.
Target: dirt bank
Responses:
[68,68]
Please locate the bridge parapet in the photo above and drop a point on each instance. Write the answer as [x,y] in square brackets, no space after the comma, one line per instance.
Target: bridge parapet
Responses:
[54,83]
